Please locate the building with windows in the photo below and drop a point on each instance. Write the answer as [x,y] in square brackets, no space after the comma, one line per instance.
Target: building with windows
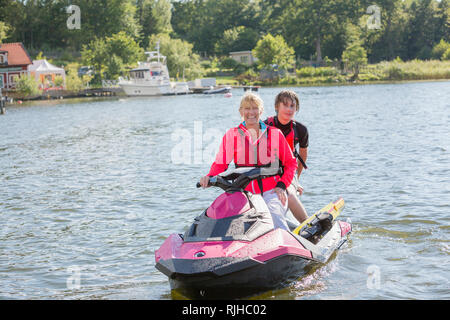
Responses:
[244,57]
[14,62]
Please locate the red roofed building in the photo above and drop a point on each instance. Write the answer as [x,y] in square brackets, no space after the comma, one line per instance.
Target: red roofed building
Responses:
[14,61]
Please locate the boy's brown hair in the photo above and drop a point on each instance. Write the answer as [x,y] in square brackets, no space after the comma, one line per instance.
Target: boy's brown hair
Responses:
[284,95]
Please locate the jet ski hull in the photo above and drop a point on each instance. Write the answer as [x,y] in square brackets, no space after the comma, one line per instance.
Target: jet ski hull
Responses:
[250,277]
[214,260]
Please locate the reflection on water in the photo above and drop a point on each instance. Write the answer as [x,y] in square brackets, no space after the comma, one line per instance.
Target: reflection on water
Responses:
[89,190]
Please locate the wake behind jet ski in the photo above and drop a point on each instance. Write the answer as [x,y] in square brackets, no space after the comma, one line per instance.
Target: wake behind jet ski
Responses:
[232,249]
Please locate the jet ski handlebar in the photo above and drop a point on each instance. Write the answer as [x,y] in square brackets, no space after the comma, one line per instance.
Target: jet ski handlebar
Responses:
[240,177]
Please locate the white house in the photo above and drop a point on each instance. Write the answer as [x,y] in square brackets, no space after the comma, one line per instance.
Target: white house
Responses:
[244,57]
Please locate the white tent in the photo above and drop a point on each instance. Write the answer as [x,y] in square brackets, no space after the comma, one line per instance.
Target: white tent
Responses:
[45,73]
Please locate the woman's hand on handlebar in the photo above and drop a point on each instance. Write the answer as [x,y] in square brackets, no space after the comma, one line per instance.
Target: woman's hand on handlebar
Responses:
[204,181]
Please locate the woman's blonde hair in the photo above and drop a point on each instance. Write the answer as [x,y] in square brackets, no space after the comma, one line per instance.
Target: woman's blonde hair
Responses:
[250,98]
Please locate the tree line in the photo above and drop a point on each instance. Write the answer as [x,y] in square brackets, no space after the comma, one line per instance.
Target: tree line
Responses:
[314,29]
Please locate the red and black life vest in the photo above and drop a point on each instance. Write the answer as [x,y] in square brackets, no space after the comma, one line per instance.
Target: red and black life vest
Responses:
[292,138]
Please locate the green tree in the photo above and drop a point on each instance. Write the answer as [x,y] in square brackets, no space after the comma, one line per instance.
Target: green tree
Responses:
[422,29]
[355,57]
[443,20]
[439,49]
[273,51]
[34,21]
[154,16]
[42,24]
[314,28]
[73,82]
[27,86]
[114,67]
[112,54]
[106,17]
[124,47]
[307,24]
[203,22]
[94,54]
[123,51]
[446,55]
[187,19]
[59,81]
[4,5]
[144,17]
[162,14]
[236,39]
[4,29]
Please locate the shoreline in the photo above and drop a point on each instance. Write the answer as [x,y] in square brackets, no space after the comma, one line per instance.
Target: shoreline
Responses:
[343,84]
[119,95]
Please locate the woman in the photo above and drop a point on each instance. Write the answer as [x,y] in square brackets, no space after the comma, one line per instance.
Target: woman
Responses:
[254,144]
[286,105]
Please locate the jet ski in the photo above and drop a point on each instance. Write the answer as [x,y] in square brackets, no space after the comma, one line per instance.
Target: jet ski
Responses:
[233,251]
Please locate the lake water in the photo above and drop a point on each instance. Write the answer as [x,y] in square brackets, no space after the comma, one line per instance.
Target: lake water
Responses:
[90,189]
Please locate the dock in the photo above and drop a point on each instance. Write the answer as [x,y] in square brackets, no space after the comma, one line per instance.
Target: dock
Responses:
[64,94]
[250,88]
[103,92]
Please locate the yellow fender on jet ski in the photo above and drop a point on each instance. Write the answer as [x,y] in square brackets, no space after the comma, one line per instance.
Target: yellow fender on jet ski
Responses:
[334,208]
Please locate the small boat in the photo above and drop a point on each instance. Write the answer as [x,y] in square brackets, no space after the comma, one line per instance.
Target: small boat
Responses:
[218,90]
[151,78]
[232,249]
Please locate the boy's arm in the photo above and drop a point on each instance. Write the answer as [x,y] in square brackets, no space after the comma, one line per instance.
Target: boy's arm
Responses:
[304,154]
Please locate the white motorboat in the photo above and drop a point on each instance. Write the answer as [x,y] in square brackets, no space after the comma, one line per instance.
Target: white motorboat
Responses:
[217,90]
[151,78]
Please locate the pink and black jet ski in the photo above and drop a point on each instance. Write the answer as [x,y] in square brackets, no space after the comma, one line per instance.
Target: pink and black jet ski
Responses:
[232,249]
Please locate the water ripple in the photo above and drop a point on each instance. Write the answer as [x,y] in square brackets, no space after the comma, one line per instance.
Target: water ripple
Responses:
[89,190]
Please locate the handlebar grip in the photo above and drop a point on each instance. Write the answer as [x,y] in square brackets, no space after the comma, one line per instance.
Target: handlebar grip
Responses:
[211,182]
